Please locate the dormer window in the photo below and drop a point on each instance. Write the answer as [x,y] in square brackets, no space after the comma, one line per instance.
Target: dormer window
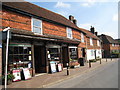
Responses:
[69,33]
[36,26]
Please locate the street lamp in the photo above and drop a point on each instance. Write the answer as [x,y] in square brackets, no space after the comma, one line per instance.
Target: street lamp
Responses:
[8,34]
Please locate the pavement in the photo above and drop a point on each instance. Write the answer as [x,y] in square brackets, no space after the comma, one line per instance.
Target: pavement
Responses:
[45,80]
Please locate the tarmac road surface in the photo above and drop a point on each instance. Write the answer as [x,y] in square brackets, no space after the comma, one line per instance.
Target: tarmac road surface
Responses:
[105,76]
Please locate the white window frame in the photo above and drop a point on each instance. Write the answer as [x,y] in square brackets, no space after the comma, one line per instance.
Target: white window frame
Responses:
[69,32]
[98,42]
[91,41]
[82,38]
[40,27]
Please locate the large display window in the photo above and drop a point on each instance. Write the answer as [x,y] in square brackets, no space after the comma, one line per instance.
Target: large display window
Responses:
[19,56]
[54,53]
[73,52]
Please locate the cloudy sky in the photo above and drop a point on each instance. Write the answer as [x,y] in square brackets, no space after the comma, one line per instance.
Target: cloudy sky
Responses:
[103,15]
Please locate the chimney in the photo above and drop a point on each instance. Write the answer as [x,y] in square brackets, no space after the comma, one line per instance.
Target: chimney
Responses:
[75,21]
[71,18]
[92,29]
[96,33]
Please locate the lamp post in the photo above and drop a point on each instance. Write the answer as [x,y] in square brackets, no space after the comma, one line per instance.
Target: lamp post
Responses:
[8,33]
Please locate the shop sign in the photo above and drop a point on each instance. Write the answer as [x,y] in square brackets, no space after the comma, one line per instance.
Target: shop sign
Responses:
[26,73]
[59,67]
[53,66]
[17,75]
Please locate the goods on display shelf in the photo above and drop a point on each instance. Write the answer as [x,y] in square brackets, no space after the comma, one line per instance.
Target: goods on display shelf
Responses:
[17,75]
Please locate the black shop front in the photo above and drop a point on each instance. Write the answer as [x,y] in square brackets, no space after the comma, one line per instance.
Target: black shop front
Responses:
[35,52]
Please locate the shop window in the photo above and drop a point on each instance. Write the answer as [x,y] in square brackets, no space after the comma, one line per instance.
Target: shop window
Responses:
[36,26]
[19,56]
[69,33]
[54,54]
[73,53]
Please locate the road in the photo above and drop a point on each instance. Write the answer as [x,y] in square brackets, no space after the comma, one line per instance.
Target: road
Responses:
[105,76]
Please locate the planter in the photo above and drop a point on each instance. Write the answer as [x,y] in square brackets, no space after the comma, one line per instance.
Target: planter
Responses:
[74,64]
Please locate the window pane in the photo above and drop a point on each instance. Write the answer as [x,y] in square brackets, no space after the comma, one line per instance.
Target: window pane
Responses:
[36,30]
[36,22]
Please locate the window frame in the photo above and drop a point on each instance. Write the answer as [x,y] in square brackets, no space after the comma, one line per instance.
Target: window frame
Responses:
[39,27]
[91,41]
[82,38]
[67,30]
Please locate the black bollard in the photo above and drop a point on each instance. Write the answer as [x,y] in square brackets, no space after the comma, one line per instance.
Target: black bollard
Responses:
[67,69]
[89,64]
[106,59]
[100,61]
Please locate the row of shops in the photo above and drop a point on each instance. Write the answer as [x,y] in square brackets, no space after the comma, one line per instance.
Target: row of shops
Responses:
[37,55]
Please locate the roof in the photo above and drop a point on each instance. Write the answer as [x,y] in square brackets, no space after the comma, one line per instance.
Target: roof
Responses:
[40,12]
[89,34]
[107,39]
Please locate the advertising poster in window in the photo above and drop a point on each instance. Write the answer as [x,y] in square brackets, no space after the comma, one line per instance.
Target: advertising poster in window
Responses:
[26,73]
[53,67]
[17,75]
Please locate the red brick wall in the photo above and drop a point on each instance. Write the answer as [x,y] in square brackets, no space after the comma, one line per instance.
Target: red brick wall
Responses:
[15,20]
[0,61]
[94,46]
[114,47]
[52,29]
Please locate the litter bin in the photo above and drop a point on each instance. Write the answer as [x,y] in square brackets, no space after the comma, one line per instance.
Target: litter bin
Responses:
[81,61]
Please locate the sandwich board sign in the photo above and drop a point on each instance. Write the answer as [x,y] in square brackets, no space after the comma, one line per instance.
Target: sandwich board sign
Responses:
[53,67]
[17,75]
[26,73]
[59,67]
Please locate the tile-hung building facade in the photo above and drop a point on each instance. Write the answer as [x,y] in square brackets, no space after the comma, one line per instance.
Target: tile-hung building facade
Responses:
[109,45]
[93,44]
[38,37]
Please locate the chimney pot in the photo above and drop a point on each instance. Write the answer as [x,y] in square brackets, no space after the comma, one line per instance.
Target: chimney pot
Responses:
[96,33]
[75,21]
[92,29]
[71,18]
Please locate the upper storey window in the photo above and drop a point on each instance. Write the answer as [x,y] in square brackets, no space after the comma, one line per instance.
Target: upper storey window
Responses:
[91,41]
[82,38]
[69,33]
[36,26]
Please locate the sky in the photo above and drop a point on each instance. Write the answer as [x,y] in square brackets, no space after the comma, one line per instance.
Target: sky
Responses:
[103,15]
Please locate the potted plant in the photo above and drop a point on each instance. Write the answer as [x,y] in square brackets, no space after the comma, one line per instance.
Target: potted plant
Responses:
[10,78]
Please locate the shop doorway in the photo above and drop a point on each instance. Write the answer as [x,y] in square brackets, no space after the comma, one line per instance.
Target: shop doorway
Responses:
[83,52]
[65,56]
[40,59]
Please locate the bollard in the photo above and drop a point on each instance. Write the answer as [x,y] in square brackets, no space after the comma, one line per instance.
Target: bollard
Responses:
[89,64]
[111,58]
[106,59]
[100,61]
[67,69]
